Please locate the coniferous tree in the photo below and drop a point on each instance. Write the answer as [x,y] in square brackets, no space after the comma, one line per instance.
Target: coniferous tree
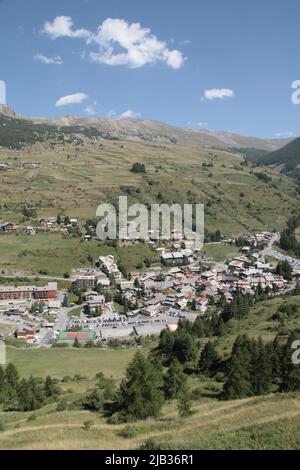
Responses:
[12,381]
[184,403]
[238,383]
[3,384]
[174,380]
[140,394]
[276,359]
[50,387]
[209,359]
[76,343]
[166,342]
[261,368]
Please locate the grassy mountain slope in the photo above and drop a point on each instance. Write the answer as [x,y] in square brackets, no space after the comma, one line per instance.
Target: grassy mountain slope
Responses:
[75,178]
[63,171]
[270,422]
[287,159]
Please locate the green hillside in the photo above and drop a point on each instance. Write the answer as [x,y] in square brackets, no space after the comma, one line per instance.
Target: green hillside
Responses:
[287,158]
[271,421]
[16,133]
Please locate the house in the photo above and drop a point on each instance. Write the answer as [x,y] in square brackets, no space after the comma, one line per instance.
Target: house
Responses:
[125,284]
[30,230]
[85,281]
[201,304]
[173,259]
[96,302]
[187,256]
[90,295]
[188,244]
[152,310]
[45,293]
[25,333]
[208,276]
[6,226]
[181,303]
[103,282]
[108,266]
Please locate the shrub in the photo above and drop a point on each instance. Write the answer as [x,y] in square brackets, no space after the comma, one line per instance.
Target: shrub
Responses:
[129,432]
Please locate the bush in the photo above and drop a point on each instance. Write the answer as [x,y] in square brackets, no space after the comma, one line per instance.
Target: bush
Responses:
[129,432]
[150,444]
[138,168]
[32,417]
[61,406]
[88,424]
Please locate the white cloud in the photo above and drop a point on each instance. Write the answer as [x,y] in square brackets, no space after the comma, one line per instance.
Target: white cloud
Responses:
[91,109]
[57,60]
[119,43]
[130,115]
[185,42]
[62,26]
[111,114]
[218,93]
[76,98]
[281,135]
[202,124]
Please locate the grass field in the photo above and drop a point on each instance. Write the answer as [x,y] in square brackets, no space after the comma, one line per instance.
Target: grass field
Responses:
[270,422]
[60,362]
[220,251]
[55,255]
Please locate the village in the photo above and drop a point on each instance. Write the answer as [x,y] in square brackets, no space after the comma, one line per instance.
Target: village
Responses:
[126,306]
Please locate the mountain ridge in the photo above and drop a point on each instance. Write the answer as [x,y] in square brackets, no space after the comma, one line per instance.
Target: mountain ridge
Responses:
[153,131]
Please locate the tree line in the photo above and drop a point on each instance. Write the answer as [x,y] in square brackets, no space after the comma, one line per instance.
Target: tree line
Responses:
[20,394]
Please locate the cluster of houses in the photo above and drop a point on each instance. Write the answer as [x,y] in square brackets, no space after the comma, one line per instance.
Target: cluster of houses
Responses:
[185,282]
[51,225]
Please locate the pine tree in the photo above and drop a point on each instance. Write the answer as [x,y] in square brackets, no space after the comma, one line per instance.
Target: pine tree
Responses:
[12,376]
[50,387]
[3,384]
[66,303]
[276,359]
[24,396]
[76,343]
[208,362]
[238,383]
[261,368]
[12,381]
[166,342]
[184,403]
[140,394]
[174,380]
[185,347]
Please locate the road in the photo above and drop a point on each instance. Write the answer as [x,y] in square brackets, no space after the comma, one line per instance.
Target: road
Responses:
[271,251]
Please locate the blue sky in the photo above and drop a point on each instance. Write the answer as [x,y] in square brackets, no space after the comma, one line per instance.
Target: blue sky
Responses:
[212,64]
